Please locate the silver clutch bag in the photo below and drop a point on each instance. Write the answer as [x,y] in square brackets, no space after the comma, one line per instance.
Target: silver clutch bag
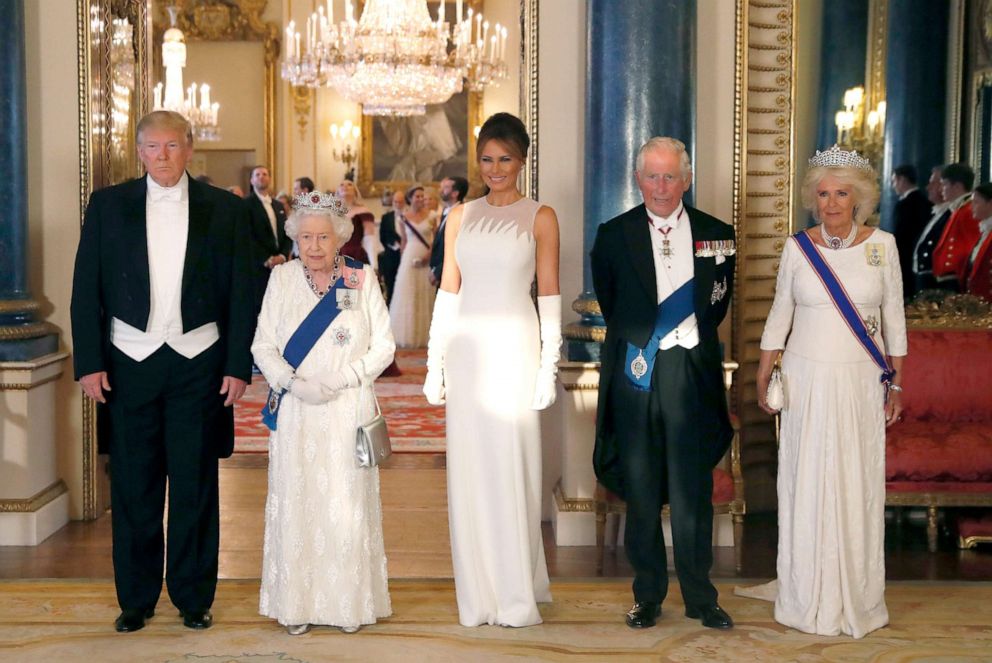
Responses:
[372,444]
[775,396]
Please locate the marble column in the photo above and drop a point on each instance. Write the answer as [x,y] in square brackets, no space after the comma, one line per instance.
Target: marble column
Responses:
[915,83]
[640,82]
[22,335]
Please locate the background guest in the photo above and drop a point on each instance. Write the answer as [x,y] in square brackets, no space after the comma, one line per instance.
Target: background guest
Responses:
[389,259]
[950,256]
[940,213]
[912,211]
[302,185]
[979,271]
[270,244]
[362,244]
[453,192]
[413,299]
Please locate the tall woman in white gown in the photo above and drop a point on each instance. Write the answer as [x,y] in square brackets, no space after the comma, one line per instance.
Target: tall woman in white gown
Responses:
[495,361]
[323,560]
[831,463]
[413,294]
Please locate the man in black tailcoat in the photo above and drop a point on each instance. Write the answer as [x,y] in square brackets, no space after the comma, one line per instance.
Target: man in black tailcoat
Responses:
[162,326]
[911,214]
[663,274]
[453,192]
[270,244]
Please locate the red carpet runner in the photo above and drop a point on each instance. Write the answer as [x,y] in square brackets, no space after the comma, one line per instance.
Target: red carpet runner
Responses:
[414,424]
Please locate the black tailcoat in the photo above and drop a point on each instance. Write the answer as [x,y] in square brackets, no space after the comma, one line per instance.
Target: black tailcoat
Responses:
[624,280]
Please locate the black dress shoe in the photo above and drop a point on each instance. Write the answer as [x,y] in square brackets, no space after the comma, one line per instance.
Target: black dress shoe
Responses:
[712,616]
[643,615]
[133,619]
[197,619]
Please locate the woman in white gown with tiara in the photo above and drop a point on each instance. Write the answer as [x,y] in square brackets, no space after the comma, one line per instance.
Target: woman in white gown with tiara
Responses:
[413,294]
[495,361]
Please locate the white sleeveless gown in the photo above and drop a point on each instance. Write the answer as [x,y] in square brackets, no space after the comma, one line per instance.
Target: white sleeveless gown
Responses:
[493,436]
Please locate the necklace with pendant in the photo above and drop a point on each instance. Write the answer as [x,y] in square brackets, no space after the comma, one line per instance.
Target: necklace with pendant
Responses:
[335,275]
[837,243]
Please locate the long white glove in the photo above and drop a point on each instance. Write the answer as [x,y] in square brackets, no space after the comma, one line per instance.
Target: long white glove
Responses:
[308,391]
[442,323]
[545,388]
[334,381]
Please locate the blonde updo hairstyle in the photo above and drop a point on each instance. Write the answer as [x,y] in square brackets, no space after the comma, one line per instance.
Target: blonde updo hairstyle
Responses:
[863,183]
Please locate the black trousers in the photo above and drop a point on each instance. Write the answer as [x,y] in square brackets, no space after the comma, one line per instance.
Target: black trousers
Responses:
[389,265]
[161,415]
[665,459]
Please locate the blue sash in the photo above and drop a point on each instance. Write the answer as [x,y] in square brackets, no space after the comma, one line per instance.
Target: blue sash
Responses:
[303,340]
[639,362]
[843,304]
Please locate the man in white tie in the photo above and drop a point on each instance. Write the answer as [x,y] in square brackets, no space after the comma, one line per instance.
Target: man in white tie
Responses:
[453,192]
[162,325]
[271,245]
[663,274]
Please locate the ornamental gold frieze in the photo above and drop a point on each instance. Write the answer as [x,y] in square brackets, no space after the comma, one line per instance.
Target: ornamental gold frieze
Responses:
[35,502]
[587,307]
[936,309]
[21,332]
[18,306]
[578,332]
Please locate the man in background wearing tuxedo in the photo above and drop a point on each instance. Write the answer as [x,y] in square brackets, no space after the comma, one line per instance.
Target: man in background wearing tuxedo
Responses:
[911,214]
[161,326]
[453,192]
[663,274]
[270,244]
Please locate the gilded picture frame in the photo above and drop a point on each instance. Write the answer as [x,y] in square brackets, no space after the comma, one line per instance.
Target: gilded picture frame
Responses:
[396,152]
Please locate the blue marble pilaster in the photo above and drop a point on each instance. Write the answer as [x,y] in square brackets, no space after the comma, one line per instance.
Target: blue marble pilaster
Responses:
[843,53]
[640,82]
[21,336]
[915,84]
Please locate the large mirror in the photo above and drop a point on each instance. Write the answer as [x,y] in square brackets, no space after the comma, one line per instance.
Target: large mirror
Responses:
[235,52]
[113,48]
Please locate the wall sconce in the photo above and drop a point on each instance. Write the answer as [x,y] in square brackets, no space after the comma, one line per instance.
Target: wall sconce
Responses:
[344,141]
[860,128]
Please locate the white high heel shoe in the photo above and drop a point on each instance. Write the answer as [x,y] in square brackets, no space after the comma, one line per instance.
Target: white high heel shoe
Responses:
[297,629]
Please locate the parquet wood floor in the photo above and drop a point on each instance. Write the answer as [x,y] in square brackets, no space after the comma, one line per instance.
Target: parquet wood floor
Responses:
[417,546]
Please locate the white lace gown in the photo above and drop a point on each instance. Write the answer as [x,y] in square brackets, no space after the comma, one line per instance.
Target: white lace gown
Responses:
[323,560]
[831,461]
[493,436]
[413,295]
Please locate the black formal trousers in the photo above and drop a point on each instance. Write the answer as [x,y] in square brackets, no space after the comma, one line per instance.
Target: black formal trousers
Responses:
[661,444]
[162,411]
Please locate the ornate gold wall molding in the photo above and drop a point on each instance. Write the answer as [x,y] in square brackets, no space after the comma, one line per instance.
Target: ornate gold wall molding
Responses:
[529,22]
[763,188]
[35,502]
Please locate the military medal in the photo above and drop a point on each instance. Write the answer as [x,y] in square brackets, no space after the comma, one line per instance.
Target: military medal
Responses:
[352,280]
[871,322]
[346,300]
[639,367]
[273,400]
[666,244]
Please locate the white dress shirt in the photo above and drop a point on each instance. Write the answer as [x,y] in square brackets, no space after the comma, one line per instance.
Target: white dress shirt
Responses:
[271,213]
[167,228]
[904,194]
[935,214]
[984,228]
[672,272]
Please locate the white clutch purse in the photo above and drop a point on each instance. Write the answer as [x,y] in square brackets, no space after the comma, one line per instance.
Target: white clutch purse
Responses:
[775,395]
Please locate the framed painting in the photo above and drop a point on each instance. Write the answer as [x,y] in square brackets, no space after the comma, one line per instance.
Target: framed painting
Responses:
[398,151]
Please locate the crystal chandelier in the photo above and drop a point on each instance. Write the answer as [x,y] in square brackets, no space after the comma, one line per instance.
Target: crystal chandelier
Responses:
[193,103]
[395,60]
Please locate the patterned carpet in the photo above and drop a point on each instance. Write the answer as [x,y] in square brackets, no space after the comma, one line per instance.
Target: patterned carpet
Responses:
[414,424]
[71,621]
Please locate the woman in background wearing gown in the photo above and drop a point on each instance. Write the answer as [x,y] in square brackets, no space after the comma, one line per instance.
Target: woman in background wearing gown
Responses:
[831,462]
[493,357]
[413,294]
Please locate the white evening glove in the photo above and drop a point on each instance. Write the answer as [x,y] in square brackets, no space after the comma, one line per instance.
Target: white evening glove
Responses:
[545,388]
[442,323]
[334,381]
[308,391]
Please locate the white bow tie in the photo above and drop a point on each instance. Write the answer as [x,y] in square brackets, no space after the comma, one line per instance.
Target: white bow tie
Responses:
[162,194]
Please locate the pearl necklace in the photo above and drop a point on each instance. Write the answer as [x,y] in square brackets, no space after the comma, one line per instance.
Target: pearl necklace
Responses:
[335,275]
[837,243]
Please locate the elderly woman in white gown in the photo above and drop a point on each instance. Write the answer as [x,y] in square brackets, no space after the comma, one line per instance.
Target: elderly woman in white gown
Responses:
[831,459]
[323,559]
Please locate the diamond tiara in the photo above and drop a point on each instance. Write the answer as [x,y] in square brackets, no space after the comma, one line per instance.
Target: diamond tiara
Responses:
[315,200]
[838,158]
